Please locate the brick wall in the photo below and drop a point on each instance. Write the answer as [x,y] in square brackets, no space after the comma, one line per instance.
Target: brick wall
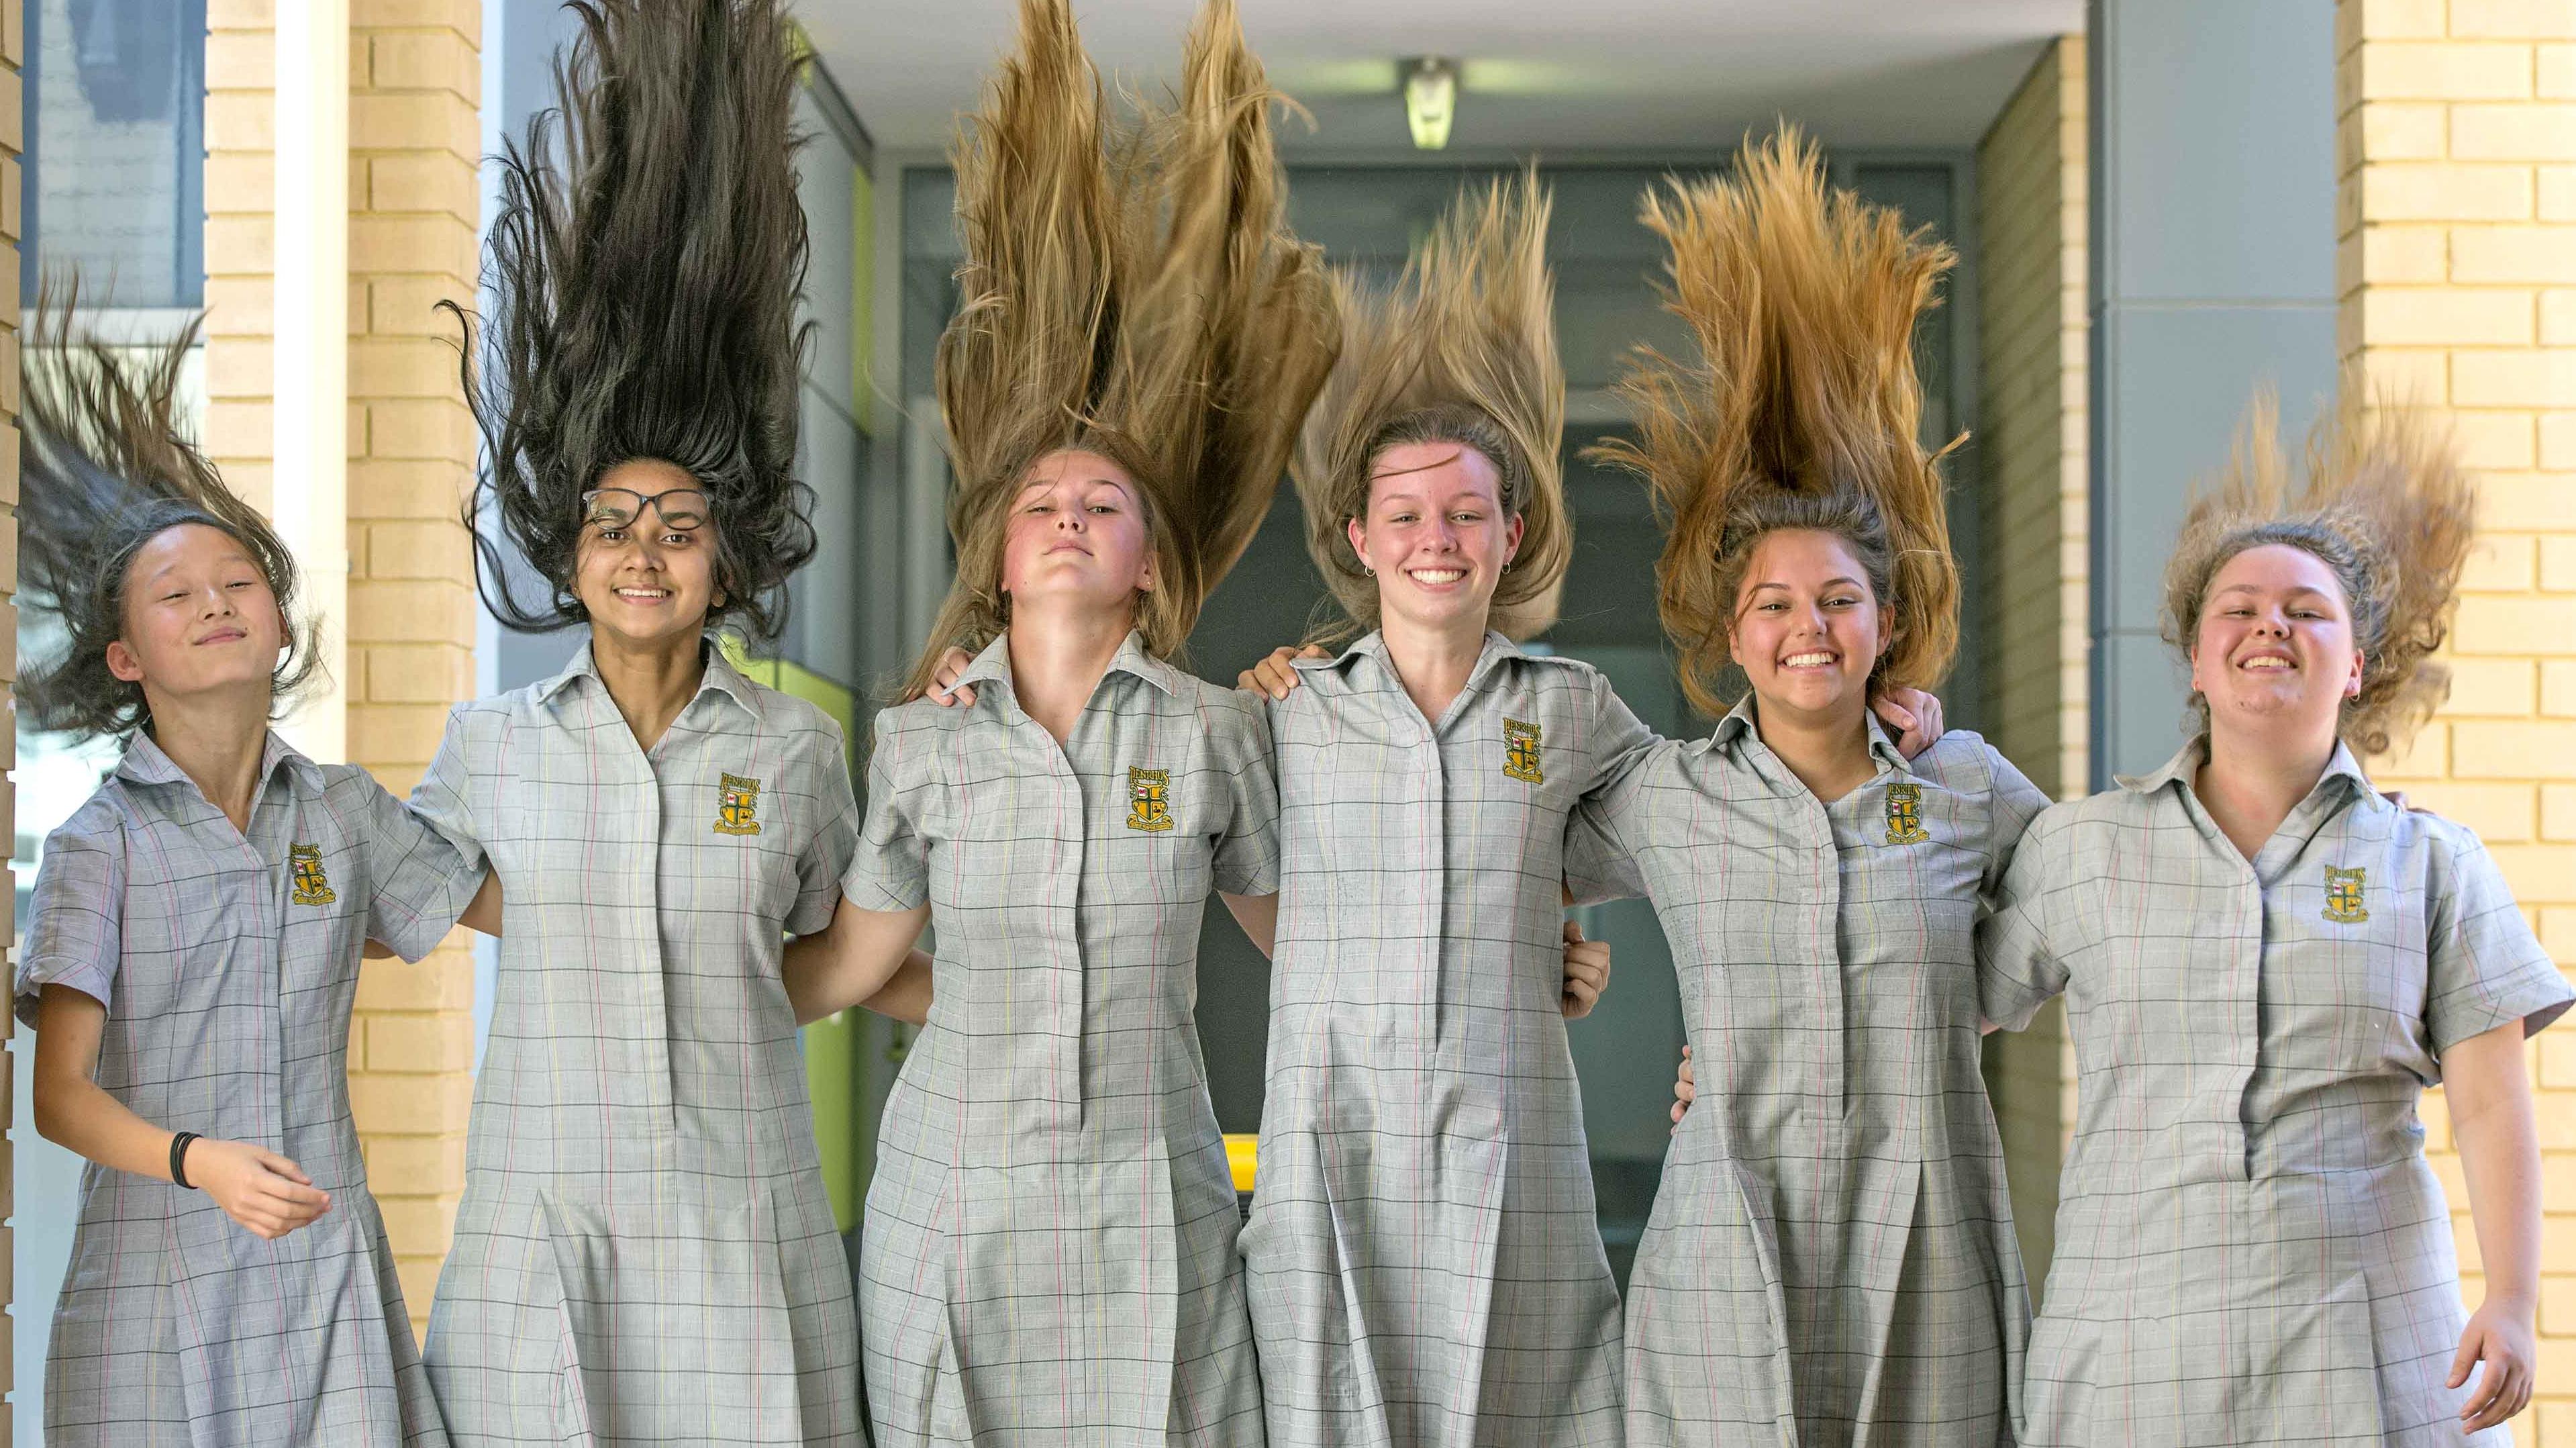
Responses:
[2032,456]
[414,91]
[2456,268]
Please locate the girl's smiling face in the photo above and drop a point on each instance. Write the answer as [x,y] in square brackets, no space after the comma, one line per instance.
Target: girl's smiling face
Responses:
[645,570]
[1807,625]
[1436,535]
[199,616]
[2274,645]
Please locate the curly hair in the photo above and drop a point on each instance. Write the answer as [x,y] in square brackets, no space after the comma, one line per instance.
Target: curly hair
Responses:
[1463,351]
[1804,306]
[644,276]
[104,471]
[1130,289]
[2386,507]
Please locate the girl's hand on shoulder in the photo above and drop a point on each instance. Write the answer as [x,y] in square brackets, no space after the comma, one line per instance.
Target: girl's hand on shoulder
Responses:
[1587,973]
[1275,675]
[267,1194]
[1685,1090]
[943,681]
[1915,716]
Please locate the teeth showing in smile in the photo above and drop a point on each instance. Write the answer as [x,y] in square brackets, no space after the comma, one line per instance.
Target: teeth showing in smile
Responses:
[1439,575]
[1807,661]
[2267,661]
[644,593]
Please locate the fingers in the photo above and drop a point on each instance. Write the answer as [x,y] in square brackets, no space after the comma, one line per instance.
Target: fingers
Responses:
[2472,1343]
[1573,933]
[285,1167]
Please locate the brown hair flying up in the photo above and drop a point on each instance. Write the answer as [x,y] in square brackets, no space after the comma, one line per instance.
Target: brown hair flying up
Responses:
[1462,351]
[2386,507]
[1129,289]
[1802,409]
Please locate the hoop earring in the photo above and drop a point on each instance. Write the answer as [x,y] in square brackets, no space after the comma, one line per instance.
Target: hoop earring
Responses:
[1371,572]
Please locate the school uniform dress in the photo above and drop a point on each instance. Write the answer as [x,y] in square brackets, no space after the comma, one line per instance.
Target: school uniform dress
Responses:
[2251,1247]
[1049,1251]
[1423,1255]
[228,963]
[1830,1259]
[645,1252]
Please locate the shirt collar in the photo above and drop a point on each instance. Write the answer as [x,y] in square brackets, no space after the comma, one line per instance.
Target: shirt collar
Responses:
[721,676]
[1882,747]
[146,763]
[1373,645]
[993,665]
[2185,766]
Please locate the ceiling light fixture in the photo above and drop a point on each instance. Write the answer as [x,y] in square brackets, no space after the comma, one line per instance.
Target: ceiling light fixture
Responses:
[1430,98]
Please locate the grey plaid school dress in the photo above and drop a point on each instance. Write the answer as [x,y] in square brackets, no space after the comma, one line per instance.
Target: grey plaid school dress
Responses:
[2251,1247]
[645,1252]
[228,965]
[1423,1257]
[1830,1259]
[1048,1255]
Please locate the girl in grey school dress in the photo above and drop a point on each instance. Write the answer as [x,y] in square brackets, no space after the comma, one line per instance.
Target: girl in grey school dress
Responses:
[192,954]
[1049,1252]
[1423,1255]
[645,1251]
[2265,963]
[1830,1259]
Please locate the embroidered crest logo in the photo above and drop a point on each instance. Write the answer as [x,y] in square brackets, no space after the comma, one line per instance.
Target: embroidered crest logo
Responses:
[737,805]
[1149,800]
[2343,896]
[312,885]
[1520,752]
[1905,815]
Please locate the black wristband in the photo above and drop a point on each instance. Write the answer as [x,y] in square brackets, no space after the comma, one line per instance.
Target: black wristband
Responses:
[179,1159]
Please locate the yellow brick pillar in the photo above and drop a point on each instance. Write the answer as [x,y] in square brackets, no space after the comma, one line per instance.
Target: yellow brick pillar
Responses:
[2456,268]
[13,59]
[415,83]
[2033,462]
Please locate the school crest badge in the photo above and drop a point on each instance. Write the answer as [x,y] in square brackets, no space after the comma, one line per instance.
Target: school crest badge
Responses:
[2343,896]
[1149,800]
[312,884]
[1905,815]
[1521,753]
[737,805]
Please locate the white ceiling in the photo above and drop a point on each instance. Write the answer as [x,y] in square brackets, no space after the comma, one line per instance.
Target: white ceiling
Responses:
[1551,75]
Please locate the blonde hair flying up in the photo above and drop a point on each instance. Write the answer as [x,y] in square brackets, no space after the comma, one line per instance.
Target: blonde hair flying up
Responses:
[1463,351]
[1802,410]
[2386,507]
[1129,289]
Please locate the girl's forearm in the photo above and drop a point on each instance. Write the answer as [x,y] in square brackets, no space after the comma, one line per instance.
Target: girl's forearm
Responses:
[906,996]
[2489,1090]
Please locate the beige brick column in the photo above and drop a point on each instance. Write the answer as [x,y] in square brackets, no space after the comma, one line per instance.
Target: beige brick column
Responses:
[13,59]
[414,90]
[2032,453]
[2457,272]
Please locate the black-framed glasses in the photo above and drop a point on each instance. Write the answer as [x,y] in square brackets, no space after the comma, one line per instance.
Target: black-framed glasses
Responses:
[682,510]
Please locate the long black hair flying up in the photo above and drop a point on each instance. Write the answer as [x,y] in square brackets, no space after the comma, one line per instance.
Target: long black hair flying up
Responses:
[104,470]
[644,269]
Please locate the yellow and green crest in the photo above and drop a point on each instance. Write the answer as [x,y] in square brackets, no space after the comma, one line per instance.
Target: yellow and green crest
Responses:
[1905,815]
[1149,799]
[1521,753]
[737,805]
[2343,896]
[312,884]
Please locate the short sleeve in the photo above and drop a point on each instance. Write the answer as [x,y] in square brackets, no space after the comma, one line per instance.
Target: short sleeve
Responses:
[417,881]
[2018,966]
[2486,968]
[76,917]
[826,857]
[890,863]
[2012,802]
[1600,859]
[444,797]
[1247,853]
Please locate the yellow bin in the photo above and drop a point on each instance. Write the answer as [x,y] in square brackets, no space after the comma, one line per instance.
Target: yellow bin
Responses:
[1241,1154]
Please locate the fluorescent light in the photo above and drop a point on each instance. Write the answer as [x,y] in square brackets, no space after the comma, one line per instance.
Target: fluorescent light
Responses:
[1430,98]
